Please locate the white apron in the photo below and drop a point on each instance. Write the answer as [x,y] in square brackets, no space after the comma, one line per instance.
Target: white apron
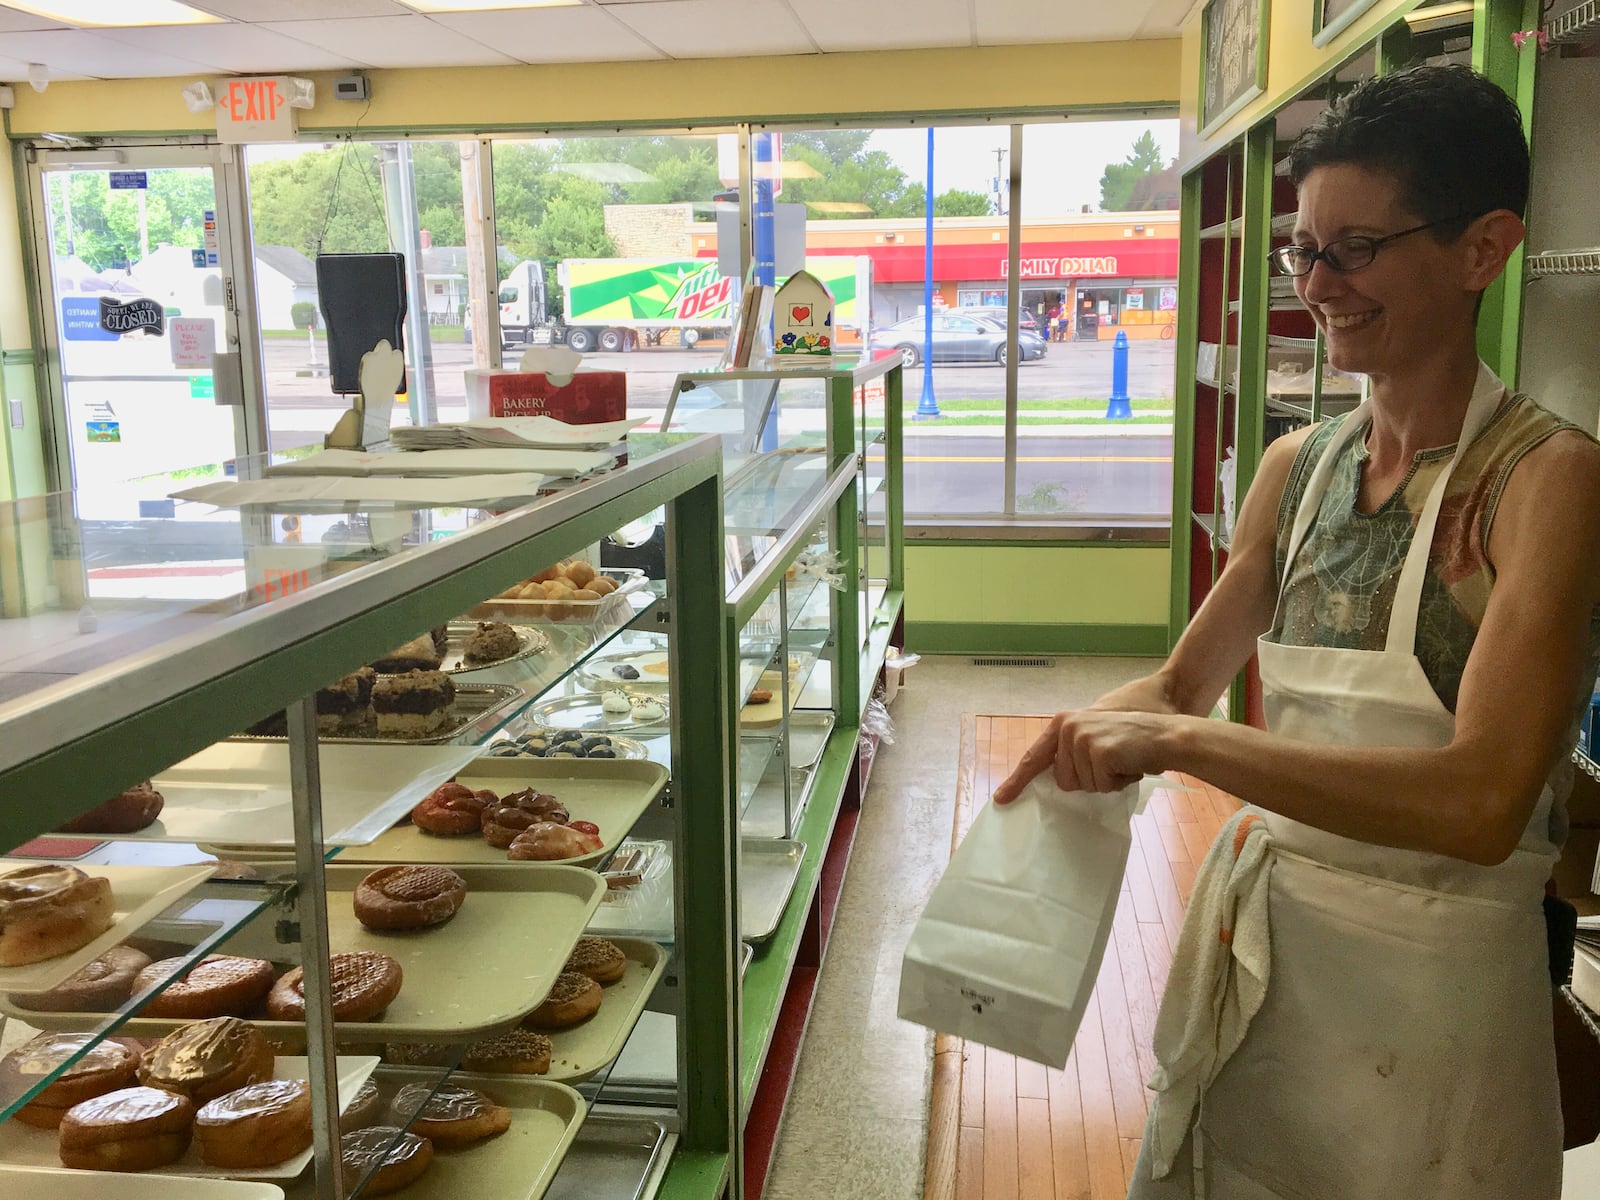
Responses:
[1404,1048]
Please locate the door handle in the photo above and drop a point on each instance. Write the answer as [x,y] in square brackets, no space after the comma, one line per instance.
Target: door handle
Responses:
[227,376]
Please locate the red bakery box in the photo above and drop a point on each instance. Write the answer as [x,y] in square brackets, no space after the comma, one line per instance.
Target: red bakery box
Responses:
[590,398]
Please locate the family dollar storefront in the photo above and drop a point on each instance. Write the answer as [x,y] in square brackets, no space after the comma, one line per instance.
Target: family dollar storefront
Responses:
[1086,275]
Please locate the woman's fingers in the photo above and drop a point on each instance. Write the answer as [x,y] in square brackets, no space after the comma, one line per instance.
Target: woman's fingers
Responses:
[1036,759]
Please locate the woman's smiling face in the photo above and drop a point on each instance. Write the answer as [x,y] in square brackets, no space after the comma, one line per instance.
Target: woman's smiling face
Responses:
[1408,300]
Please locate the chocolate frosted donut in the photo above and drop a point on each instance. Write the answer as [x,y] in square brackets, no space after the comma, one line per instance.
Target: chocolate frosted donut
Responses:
[363,984]
[502,822]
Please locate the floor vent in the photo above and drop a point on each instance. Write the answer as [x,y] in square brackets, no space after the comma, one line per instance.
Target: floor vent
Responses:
[1013,662]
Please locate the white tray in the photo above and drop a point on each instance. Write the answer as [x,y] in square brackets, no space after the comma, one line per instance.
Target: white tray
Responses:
[22,1145]
[473,977]
[237,793]
[139,893]
[612,793]
[63,1183]
[585,1050]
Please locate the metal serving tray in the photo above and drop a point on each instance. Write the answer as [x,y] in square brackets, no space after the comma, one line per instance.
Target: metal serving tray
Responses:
[472,714]
[529,641]
[613,1158]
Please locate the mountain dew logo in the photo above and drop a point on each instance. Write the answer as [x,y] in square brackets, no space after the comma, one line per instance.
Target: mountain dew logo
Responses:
[701,296]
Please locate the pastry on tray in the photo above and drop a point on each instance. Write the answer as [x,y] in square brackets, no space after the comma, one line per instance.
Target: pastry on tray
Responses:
[504,820]
[47,911]
[219,985]
[492,641]
[449,1114]
[363,982]
[345,705]
[385,1157]
[573,999]
[366,1109]
[549,841]
[128,812]
[451,810]
[566,743]
[419,654]
[131,1129]
[408,896]
[255,1126]
[601,960]
[412,705]
[104,1068]
[101,986]
[208,1059]
[519,1052]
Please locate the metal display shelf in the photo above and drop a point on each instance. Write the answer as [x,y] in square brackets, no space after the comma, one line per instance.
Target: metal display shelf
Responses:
[1587,1015]
[1210,524]
[1579,25]
[1586,764]
[1561,263]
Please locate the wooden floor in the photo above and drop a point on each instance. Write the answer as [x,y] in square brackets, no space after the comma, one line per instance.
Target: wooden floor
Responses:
[1025,1132]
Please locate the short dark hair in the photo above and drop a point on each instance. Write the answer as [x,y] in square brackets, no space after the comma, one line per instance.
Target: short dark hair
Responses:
[1451,140]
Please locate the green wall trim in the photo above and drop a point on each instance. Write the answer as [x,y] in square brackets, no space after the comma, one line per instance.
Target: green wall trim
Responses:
[959,637]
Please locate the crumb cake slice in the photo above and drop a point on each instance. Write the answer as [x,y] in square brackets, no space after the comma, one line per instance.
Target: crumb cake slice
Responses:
[412,705]
[492,641]
[346,704]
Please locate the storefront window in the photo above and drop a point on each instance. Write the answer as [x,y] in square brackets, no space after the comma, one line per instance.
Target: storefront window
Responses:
[350,198]
[611,245]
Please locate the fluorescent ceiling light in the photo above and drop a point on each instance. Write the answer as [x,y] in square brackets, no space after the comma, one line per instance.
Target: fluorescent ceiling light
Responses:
[461,6]
[113,13]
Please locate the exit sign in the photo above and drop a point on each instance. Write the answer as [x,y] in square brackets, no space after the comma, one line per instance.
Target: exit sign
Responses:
[255,110]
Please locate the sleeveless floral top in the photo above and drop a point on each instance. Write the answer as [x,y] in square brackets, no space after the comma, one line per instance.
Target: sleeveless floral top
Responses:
[1341,586]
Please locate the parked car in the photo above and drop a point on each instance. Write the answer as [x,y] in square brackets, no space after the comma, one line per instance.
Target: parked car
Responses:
[989,312]
[956,338]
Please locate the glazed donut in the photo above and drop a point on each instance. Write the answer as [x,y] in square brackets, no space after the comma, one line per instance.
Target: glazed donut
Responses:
[219,985]
[408,896]
[546,841]
[127,813]
[450,810]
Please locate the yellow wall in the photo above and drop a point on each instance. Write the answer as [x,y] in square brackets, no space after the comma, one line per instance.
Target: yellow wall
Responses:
[705,91]
[1037,584]
[1293,62]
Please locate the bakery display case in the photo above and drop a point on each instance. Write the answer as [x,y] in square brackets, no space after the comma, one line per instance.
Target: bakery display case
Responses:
[815,594]
[444,994]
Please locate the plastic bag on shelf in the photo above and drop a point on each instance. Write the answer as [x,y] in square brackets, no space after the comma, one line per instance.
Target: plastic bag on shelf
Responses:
[877,722]
[1227,478]
[826,566]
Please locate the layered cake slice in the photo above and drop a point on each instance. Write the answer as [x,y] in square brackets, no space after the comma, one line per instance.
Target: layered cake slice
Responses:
[419,654]
[345,705]
[412,705]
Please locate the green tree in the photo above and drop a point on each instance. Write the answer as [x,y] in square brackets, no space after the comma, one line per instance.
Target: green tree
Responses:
[1117,183]
[958,203]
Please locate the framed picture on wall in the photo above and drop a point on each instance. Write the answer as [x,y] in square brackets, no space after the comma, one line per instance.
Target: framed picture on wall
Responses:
[1331,17]
[1233,56]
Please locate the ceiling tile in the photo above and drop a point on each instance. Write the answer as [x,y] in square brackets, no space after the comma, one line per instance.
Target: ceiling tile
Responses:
[240,49]
[300,10]
[15,72]
[79,52]
[1014,22]
[881,25]
[414,41]
[717,28]
[12,21]
[550,35]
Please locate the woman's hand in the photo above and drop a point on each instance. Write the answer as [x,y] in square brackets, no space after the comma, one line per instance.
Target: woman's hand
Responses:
[1095,750]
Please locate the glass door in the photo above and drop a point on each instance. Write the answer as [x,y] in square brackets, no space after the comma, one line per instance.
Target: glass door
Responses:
[141,262]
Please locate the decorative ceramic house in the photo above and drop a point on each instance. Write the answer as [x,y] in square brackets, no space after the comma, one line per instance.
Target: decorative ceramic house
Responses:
[802,322]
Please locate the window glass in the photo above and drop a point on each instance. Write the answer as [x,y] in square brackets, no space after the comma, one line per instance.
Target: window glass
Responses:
[348,198]
[1099,266]
[612,245]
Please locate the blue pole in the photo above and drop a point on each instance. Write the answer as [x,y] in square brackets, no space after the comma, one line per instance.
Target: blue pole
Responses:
[927,406]
[1118,408]
[763,247]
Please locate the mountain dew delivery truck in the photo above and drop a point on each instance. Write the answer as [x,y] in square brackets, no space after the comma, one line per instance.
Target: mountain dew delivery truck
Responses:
[606,298]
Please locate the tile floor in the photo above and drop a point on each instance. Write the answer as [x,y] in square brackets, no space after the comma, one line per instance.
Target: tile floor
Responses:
[857,1116]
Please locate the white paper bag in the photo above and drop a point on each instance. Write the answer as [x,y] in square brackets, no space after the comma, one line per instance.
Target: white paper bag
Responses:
[1008,949]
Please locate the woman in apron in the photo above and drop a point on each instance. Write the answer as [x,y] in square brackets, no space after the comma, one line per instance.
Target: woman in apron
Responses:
[1421,583]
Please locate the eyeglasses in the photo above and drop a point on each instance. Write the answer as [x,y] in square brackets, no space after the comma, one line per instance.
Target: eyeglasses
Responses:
[1343,254]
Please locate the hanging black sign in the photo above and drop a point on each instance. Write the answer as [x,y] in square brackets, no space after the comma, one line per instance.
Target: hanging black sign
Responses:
[132,316]
[1234,33]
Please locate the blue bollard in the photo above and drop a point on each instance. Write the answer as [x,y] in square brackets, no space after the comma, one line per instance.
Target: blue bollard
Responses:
[1118,408]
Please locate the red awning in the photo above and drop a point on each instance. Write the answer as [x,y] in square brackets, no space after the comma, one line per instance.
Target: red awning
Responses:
[1147,258]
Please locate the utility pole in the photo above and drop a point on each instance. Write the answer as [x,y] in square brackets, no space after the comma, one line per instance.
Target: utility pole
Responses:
[1000,190]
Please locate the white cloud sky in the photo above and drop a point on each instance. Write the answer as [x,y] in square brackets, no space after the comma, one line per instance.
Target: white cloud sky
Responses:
[1061,162]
